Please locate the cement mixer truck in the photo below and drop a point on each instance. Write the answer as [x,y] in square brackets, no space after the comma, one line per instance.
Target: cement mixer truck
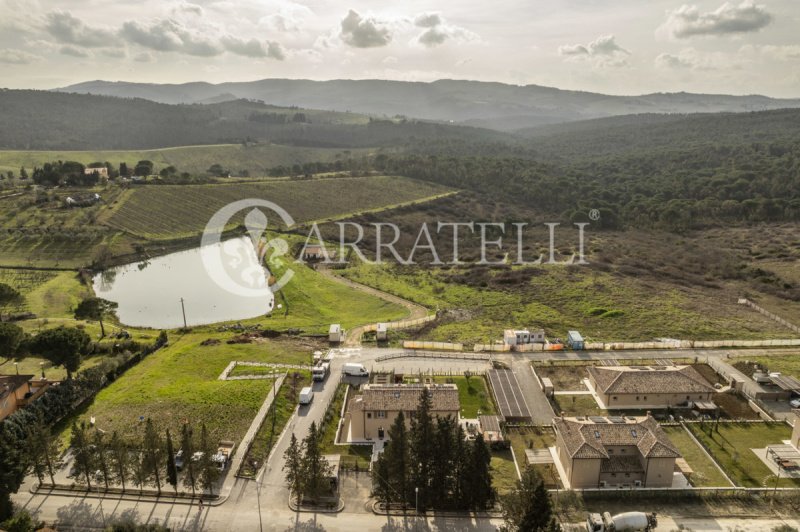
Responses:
[624,522]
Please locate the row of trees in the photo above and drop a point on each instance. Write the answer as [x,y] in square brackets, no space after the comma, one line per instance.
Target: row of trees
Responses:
[55,404]
[432,465]
[307,471]
[152,462]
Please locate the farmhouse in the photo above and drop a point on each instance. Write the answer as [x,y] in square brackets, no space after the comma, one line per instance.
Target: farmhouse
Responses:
[82,200]
[371,413]
[649,386]
[597,452]
[100,171]
[17,391]
[314,253]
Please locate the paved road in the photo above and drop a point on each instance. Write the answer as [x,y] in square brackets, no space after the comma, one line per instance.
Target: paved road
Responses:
[354,335]
[539,406]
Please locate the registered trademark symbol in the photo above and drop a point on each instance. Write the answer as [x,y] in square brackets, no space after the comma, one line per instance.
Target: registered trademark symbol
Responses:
[594,215]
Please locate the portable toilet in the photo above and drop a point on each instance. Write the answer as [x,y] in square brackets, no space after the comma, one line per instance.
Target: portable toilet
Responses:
[575,340]
[382,332]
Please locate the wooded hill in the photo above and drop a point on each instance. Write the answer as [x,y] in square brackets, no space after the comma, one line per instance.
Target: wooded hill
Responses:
[39,120]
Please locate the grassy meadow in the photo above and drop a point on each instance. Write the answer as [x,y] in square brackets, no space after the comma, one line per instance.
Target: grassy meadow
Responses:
[705,473]
[604,306]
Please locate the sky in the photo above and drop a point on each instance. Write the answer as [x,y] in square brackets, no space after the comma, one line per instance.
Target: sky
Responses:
[609,46]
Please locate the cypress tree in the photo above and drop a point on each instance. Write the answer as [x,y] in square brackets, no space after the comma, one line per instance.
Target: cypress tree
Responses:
[209,473]
[480,481]
[316,470]
[187,446]
[528,507]
[422,432]
[172,469]
[120,458]
[293,466]
[397,457]
[83,452]
[152,450]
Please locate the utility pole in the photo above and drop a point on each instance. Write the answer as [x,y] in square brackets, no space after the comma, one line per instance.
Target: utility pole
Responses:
[183,310]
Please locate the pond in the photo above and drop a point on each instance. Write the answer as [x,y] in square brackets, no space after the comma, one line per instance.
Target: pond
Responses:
[149,293]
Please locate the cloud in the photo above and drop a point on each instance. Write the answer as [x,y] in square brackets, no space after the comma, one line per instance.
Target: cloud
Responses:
[144,57]
[439,31]
[605,45]
[67,29]
[253,48]
[17,57]
[790,52]
[687,21]
[691,59]
[169,36]
[73,51]
[189,9]
[428,20]
[117,53]
[360,32]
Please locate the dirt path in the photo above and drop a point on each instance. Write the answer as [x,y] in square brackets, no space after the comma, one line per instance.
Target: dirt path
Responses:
[354,335]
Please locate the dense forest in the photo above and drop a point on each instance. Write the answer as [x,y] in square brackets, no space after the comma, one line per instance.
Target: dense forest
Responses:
[40,120]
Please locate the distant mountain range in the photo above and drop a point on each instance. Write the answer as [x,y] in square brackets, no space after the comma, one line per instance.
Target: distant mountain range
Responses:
[489,105]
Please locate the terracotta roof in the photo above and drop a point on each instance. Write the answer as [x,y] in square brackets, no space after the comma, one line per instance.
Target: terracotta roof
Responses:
[649,379]
[585,438]
[396,397]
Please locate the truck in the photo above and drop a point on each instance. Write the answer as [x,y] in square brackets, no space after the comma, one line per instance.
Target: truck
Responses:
[624,522]
[320,371]
[306,395]
[223,454]
[354,369]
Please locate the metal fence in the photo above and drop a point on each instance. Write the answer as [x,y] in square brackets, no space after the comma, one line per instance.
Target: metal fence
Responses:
[770,315]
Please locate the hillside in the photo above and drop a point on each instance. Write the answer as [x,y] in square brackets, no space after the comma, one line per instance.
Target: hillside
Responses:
[634,133]
[58,121]
[493,105]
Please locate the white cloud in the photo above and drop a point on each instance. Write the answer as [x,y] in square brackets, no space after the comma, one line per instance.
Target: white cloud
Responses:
[17,57]
[67,29]
[169,36]
[692,59]
[144,57]
[687,21]
[428,20]
[438,31]
[360,32]
[252,48]
[605,45]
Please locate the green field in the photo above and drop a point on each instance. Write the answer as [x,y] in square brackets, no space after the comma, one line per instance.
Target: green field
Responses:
[731,448]
[705,473]
[473,394]
[194,159]
[560,298]
[785,364]
[174,211]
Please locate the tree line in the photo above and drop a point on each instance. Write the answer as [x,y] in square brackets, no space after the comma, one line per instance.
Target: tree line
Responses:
[432,465]
[55,404]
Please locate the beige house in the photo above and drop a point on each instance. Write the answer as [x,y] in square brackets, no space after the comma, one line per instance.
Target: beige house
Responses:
[652,387]
[371,413]
[598,452]
[17,391]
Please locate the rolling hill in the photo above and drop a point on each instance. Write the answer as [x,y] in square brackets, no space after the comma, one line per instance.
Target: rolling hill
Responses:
[493,105]
[44,120]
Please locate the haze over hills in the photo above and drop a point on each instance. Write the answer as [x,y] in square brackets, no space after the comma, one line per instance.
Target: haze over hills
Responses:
[46,120]
[493,105]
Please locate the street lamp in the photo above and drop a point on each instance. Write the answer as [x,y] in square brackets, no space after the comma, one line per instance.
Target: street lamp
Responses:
[41,366]
[416,498]
[16,367]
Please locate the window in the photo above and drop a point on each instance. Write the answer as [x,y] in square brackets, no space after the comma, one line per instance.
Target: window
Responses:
[611,451]
[369,415]
[633,433]
[687,397]
[645,398]
[381,414]
[627,475]
[614,398]
[597,434]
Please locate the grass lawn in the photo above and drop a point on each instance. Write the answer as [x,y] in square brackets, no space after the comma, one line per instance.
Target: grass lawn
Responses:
[352,455]
[577,405]
[179,383]
[523,438]
[732,445]
[473,394]
[785,364]
[567,378]
[706,474]
[504,474]
[277,417]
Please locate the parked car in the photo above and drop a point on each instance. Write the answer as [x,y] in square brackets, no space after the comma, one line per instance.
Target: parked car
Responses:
[795,403]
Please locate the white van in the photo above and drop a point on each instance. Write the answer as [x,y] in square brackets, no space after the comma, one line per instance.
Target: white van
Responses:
[306,395]
[355,370]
